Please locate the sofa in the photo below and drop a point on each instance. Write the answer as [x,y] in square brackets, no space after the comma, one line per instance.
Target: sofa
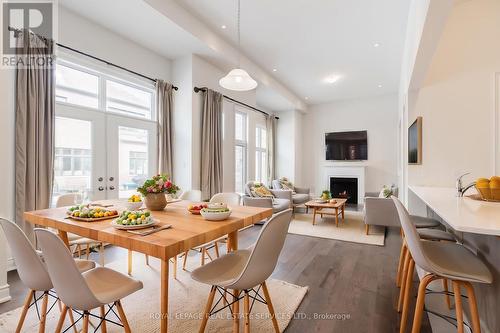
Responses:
[280,201]
[300,195]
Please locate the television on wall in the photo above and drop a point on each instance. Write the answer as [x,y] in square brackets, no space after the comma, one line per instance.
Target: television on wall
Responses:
[346,146]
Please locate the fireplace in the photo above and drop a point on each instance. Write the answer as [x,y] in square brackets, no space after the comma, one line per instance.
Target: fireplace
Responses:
[346,188]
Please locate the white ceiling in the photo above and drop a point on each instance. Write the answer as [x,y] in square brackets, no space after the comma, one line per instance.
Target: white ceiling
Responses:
[307,41]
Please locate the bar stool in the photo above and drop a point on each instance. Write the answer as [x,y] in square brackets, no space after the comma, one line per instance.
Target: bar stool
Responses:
[427,234]
[441,260]
[420,222]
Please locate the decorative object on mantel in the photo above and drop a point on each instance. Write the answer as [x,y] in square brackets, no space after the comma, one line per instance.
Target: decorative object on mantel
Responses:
[155,191]
[415,142]
[238,79]
[489,189]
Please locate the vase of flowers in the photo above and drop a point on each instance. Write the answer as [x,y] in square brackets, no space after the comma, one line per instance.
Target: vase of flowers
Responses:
[155,191]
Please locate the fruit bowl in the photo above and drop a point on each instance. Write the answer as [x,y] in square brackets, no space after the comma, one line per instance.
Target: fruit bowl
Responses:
[215,214]
[489,189]
[196,209]
[133,205]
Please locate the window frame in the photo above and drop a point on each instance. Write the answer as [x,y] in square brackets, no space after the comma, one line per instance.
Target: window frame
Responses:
[105,74]
[244,145]
[260,164]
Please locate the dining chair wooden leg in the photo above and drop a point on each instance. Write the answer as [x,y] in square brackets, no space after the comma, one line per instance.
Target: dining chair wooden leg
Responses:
[60,323]
[236,312]
[270,307]
[185,260]
[123,318]
[129,263]
[403,281]
[175,267]
[447,296]
[406,296]
[216,248]
[208,306]
[419,307]
[147,259]
[246,312]
[476,325]
[85,327]
[87,252]
[101,255]
[72,320]
[43,313]
[402,254]
[367,229]
[458,306]
[79,249]
[26,306]
[104,329]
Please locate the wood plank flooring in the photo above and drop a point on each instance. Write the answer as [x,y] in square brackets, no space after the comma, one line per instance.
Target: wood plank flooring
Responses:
[352,287]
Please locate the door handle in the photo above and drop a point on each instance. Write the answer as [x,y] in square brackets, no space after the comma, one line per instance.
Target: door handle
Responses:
[100,188]
[100,179]
[111,179]
[111,187]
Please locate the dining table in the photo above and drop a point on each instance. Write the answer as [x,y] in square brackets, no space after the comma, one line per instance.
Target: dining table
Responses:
[187,231]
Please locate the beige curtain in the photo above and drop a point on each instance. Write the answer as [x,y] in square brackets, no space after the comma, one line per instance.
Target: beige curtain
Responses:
[271,123]
[35,121]
[211,144]
[164,105]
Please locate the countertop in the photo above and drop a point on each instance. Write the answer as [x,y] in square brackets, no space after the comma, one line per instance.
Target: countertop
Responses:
[463,214]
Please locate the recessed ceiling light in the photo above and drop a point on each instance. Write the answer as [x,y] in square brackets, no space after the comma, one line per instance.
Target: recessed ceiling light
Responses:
[275,70]
[306,97]
[376,45]
[223,26]
[380,86]
[331,79]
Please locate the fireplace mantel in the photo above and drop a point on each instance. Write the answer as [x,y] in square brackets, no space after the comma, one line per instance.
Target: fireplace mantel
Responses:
[346,171]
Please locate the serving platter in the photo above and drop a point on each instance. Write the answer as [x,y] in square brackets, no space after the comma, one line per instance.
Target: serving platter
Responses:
[91,219]
[133,226]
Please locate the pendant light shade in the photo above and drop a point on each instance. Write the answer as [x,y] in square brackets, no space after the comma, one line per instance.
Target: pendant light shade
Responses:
[239,80]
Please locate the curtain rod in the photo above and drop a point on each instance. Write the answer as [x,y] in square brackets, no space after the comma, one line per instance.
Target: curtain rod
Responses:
[99,59]
[198,89]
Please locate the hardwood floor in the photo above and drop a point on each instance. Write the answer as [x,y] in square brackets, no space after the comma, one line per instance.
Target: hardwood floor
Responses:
[352,287]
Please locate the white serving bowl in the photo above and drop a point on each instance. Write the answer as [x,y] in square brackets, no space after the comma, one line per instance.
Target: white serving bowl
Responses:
[133,205]
[215,216]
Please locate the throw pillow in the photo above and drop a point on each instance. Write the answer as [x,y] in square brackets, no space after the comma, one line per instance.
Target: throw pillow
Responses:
[259,190]
[286,184]
[386,192]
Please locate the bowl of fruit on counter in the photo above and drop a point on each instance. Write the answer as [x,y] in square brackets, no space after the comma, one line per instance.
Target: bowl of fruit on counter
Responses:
[196,209]
[89,213]
[134,202]
[134,219]
[216,212]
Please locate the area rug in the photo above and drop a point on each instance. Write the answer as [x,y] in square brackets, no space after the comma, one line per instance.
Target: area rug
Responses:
[351,230]
[187,300]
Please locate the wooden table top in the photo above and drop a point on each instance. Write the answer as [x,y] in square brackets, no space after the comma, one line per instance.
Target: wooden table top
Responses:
[339,203]
[187,230]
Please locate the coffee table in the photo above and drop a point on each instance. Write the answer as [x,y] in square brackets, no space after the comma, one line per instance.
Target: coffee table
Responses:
[328,208]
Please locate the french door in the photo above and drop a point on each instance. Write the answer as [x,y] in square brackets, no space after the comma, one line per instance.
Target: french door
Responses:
[102,155]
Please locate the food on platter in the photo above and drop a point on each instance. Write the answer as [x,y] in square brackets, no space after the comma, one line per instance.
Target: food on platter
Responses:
[134,217]
[89,212]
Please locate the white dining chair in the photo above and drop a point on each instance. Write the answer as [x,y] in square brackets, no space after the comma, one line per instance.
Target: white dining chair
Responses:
[71,199]
[191,195]
[83,292]
[245,272]
[33,272]
[229,198]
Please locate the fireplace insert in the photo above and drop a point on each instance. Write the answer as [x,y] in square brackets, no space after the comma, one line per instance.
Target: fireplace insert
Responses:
[345,188]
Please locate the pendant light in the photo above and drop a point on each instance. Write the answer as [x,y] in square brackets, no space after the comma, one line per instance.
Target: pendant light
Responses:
[238,79]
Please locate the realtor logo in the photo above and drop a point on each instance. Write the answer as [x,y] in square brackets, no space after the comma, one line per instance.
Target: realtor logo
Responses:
[34,16]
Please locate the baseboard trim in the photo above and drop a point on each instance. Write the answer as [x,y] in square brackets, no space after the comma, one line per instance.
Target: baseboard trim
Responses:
[11,264]
[4,293]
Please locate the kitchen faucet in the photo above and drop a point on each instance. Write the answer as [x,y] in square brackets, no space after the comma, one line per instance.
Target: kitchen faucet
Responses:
[462,189]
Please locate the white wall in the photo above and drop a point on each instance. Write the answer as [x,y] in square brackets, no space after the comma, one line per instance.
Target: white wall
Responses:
[376,115]
[289,141]
[457,100]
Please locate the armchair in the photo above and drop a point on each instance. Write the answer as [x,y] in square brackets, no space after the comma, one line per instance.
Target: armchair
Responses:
[381,211]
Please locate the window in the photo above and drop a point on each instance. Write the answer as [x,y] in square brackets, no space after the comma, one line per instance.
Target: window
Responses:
[126,99]
[138,162]
[133,148]
[80,86]
[260,154]
[76,87]
[240,135]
